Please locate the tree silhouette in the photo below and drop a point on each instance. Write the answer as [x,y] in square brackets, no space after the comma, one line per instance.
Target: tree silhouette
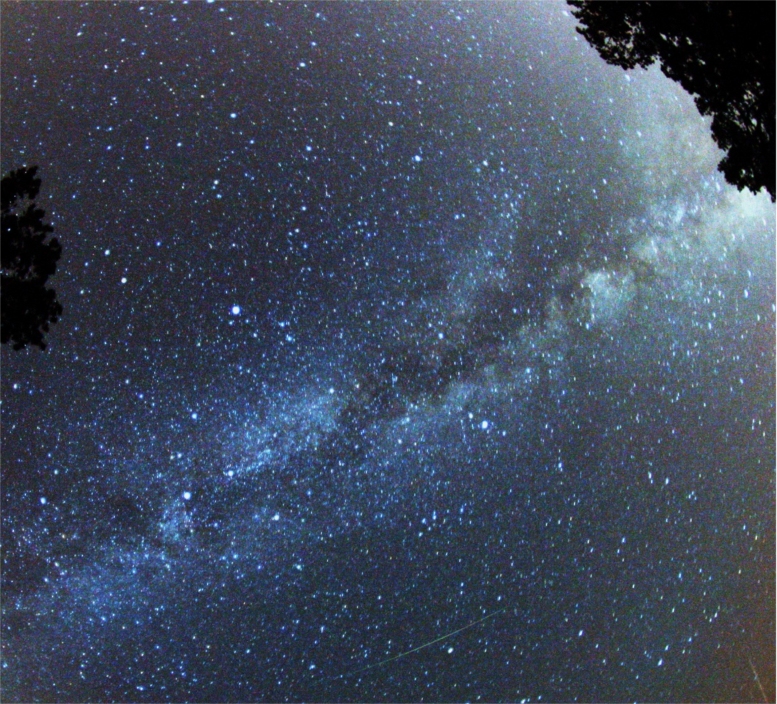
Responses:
[720,52]
[27,260]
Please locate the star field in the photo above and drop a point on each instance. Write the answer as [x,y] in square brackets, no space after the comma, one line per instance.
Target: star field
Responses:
[382,322]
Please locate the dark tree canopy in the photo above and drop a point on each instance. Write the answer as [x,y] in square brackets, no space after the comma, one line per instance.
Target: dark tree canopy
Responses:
[720,52]
[28,307]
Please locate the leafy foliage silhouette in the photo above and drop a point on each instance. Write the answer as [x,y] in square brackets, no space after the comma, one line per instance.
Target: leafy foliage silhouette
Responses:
[27,260]
[720,52]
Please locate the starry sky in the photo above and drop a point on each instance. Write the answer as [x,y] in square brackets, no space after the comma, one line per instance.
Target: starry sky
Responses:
[387,327]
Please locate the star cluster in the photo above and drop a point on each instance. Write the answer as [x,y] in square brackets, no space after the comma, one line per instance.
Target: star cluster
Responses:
[388,327]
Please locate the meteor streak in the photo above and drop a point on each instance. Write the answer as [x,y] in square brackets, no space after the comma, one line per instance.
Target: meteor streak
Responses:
[424,645]
[757,679]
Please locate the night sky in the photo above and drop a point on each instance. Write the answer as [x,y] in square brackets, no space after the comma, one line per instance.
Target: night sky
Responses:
[385,326]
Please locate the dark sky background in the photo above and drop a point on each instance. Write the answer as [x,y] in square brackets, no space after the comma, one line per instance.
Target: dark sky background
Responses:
[382,322]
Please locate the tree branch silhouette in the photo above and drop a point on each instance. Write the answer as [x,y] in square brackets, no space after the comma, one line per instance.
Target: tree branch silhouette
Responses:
[722,53]
[27,259]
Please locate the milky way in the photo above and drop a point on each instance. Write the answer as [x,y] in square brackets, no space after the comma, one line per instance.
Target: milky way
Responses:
[382,322]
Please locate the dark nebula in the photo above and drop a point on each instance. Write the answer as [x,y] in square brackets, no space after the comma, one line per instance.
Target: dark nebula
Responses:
[380,319]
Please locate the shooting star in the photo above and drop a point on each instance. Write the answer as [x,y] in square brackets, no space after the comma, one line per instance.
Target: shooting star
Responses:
[757,679]
[422,646]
